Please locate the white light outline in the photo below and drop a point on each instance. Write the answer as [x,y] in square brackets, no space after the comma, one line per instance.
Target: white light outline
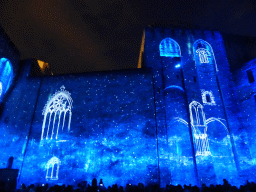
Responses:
[201,141]
[50,164]
[204,93]
[57,105]
[213,57]
[203,55]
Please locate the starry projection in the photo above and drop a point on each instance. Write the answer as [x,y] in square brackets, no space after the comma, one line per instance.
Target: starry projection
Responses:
[173,121]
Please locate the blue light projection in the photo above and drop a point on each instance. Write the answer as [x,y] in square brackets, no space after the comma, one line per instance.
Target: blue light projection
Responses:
[214,133]
[177,156]
[169,48]
[126,127]
[111,135]
[6,74]
[1,89]
[177,66]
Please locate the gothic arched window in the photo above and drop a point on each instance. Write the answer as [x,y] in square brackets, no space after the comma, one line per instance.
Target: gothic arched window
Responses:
[197,114]
[6,75]
[203,52]
[57,114]
[169,48]
[199,127]
[53,166]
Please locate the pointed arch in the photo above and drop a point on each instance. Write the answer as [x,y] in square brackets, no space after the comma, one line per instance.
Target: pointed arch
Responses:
[203,53]
[169,48]
[53,166]
[198,123]
[197,115]
[57,113]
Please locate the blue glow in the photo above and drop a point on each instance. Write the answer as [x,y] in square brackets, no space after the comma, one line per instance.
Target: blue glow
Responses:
[127,127]
[169,48]
[174,87]
[6,74]
[210,137]
[177,66]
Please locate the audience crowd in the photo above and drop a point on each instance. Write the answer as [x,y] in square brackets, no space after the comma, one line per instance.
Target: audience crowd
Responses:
[84,187]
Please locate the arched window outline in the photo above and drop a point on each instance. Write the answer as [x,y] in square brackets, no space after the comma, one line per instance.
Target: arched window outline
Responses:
[204,49]
[60,103]
[195,106]
[169,48]
[6,74]
[53,175]
[201,141]
[204,99]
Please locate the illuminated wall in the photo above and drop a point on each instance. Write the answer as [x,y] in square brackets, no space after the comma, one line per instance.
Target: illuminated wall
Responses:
[198,117]
[9,67]
[245,89]
[93,125]
[177,121]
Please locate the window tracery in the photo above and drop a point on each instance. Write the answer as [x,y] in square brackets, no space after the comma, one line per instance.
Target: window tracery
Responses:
[199,126]
[203,55]
[53,166]
[57,114]
[169,48]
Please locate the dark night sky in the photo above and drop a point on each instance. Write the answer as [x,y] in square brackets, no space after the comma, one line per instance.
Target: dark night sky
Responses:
[81,36]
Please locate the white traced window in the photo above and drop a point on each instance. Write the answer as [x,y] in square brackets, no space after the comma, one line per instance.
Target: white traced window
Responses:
[57,114]
[207,97]
[199,127]
[203,55]
[53,166]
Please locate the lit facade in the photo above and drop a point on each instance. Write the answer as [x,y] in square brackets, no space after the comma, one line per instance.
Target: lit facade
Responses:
[180,119]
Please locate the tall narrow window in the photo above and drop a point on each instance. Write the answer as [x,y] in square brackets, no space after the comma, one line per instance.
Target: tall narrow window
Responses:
[207,97]
[53,166]
[250,76]
[202,52]
[57,114]
[169,48]
[198,122]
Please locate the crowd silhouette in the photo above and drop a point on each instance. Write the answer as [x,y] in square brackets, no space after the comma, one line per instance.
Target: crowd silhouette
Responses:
[94,187]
